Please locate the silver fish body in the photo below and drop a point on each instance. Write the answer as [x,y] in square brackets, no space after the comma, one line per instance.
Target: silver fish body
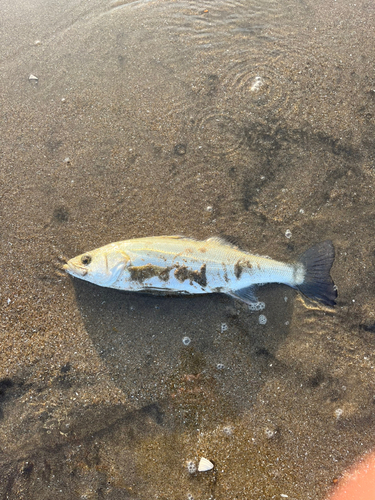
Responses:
[174,264]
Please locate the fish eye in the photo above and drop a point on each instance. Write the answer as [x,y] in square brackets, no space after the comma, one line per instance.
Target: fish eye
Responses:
[86,259]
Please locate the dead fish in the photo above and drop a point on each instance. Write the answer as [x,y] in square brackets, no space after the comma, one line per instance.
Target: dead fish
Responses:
[175,264]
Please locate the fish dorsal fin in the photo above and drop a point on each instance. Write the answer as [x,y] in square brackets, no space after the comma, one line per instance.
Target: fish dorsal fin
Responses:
[222,241]
[177,237]
[173,237]
[227,241]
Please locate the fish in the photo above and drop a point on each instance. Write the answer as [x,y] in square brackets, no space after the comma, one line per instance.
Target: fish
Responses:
[181,265]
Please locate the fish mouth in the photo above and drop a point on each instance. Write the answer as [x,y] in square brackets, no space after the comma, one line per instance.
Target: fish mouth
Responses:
[75,270]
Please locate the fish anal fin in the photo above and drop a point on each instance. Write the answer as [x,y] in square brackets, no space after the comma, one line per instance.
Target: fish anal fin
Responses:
[246,295]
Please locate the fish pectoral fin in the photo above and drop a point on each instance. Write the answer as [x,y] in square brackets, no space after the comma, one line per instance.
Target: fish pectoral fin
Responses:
[246,295]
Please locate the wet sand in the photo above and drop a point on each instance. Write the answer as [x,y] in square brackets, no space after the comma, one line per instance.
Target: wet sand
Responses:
[151,118]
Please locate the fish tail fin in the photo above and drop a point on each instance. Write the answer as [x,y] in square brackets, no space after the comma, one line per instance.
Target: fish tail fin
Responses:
[318,284]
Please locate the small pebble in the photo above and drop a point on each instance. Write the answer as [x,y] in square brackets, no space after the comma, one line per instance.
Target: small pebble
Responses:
[180,149]
[288,233]
[186,340]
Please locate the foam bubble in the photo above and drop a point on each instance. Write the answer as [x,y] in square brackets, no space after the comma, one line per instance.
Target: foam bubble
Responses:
[338,412]
[270,432]
[186,340]
[257,306]
[228,430]
[191,467]
[257,83]
[262,319]
[224,327]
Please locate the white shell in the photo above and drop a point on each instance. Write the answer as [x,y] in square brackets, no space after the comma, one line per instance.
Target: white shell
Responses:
[205,465]
[33,77]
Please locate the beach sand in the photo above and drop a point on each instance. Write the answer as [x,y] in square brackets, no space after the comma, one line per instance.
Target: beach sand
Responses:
[130,119]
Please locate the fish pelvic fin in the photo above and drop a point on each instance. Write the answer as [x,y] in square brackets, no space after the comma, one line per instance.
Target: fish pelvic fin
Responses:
[317,282]
[246,295]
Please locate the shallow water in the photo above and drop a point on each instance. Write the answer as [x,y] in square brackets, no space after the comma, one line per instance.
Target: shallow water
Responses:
[236,118]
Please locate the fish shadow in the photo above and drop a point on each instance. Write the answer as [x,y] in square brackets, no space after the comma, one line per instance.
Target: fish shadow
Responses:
[186,353]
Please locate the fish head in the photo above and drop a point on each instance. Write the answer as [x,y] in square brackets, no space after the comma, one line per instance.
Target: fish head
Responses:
[102,266]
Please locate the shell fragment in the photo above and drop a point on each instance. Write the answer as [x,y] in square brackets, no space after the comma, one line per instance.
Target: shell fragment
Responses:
[205,465]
